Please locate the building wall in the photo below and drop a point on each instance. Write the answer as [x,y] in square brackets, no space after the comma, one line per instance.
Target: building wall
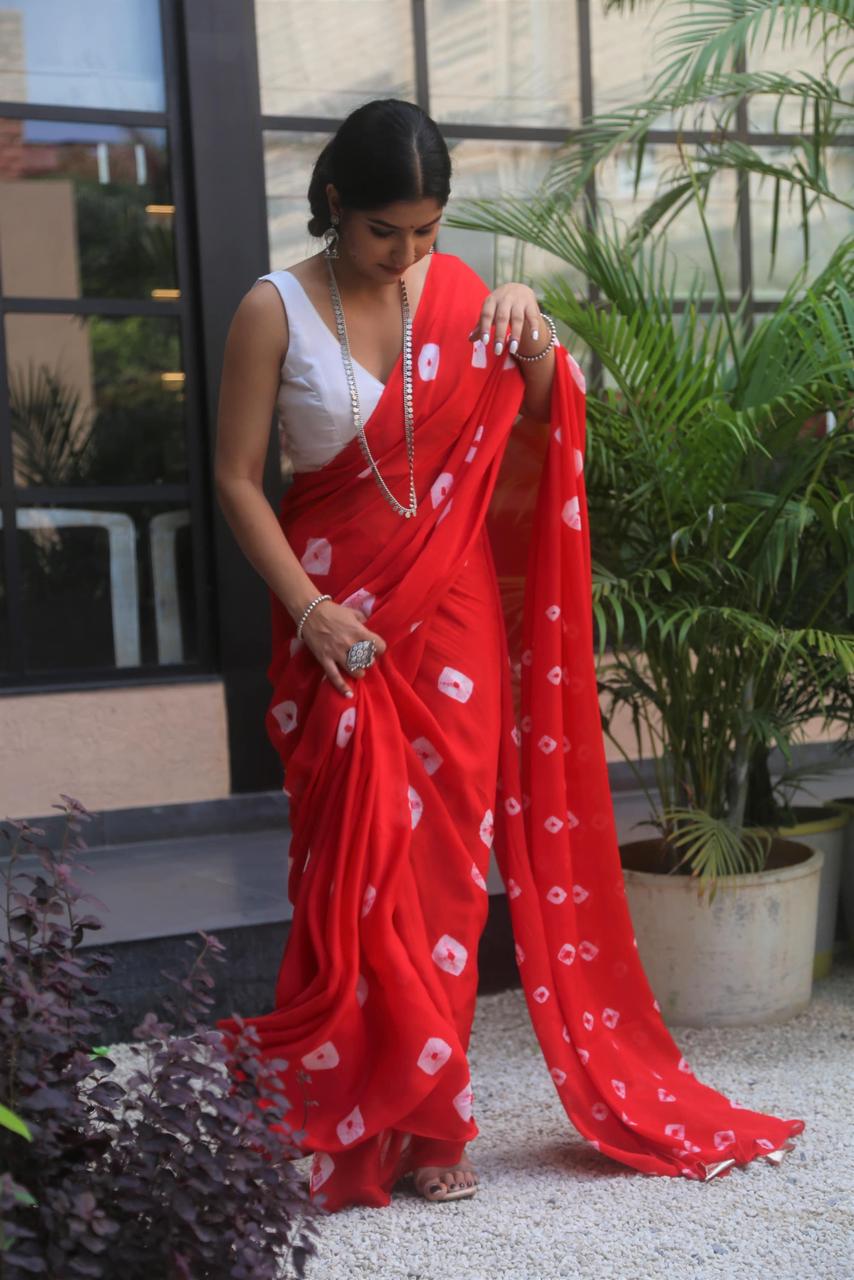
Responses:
[113,748]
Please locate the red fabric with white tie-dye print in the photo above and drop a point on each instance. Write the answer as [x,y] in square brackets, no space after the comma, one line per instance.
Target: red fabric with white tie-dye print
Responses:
[397,797]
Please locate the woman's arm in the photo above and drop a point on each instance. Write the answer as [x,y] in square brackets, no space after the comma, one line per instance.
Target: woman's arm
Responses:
[256,345]
[514,307]
[538,374]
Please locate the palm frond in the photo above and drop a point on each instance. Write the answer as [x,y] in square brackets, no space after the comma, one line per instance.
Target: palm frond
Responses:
[712,847]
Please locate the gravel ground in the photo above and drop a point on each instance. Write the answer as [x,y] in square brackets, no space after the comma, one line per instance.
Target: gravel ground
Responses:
[549,1205]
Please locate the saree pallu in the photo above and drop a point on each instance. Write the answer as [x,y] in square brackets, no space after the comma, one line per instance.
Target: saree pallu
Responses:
[398,796]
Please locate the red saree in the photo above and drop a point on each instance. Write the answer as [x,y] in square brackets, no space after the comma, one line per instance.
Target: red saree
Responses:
[397,795]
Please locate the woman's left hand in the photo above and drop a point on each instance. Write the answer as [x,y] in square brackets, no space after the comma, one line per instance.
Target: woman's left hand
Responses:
[509,307]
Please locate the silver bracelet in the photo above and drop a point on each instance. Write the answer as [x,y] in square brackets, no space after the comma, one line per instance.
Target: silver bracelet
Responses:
[306,611]
[545,351]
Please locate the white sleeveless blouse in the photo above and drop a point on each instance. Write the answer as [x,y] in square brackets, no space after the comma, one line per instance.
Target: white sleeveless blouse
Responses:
[313,401]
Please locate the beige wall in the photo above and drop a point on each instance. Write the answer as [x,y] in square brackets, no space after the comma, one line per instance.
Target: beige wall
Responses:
[143,745]
[113,748]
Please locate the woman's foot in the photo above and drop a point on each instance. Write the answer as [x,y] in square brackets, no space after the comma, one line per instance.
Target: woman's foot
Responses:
[436,1182]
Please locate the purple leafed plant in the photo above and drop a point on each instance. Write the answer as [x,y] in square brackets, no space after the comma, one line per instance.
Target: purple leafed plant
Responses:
[174,1174]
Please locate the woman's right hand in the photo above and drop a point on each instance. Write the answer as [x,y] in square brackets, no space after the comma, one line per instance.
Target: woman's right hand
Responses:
[329,631]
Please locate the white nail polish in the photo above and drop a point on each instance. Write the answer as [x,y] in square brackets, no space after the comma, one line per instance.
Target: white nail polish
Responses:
[514,347]
[484,337]
[535,333]
[499,347]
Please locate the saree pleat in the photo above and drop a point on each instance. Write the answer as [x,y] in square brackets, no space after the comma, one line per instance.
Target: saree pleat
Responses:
[398,796]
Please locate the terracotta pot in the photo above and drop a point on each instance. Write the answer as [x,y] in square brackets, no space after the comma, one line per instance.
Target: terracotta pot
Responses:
[744,958]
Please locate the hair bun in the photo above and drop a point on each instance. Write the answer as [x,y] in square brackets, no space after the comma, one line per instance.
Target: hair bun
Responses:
[386,150]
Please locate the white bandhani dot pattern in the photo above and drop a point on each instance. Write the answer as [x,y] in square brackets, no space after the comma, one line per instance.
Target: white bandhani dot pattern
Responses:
[285,715]
[428,361]
[351,1127]
[321,1059]
[416,807]
[322,1166]
[369,898]
[462,1102]
[427,754]
[317,557]
[361,599]
[478,436]
[434,1055]
[571,515]
[346,725]
[455,684]
[450,955]
[440,488]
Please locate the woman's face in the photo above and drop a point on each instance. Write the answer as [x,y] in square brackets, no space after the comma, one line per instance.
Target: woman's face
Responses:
[383,243]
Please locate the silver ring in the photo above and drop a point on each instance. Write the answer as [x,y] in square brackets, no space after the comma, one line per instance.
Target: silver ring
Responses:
[360,654]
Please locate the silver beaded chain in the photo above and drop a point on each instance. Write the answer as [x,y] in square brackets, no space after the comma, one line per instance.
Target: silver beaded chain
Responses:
[409,416]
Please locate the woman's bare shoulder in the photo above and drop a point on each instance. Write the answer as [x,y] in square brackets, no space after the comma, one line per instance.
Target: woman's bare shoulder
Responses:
[264,304]
[261,316]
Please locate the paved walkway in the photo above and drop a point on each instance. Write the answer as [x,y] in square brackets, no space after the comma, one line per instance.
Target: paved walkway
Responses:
[549,1206]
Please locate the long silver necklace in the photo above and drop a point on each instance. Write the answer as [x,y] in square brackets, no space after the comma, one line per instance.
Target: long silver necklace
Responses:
[409,417]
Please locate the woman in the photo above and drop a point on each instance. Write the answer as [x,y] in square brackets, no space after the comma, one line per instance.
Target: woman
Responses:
[392,708]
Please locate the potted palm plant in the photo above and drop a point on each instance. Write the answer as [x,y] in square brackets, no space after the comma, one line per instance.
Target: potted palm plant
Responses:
[719,477]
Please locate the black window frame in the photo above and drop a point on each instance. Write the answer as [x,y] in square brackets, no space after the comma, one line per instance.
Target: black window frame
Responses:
[16,678]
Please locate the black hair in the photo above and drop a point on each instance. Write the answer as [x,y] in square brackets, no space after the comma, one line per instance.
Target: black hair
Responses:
[386,150]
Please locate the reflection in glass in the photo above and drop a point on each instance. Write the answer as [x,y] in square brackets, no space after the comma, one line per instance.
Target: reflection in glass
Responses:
[325,59]
[82,53]
[802,56]
[485,169]
[85,211]
[828,222]
[106,585]
[96,400]
[684,235]
[627,53]
[513,64]
[288,162]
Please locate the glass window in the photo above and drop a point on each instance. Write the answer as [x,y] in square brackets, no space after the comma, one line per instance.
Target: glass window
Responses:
[802,55]
[627,53]
[107,584]
[506,63]
[327,57]
[96,400]
[85,211]
[684,236]
[828,222]
[82,53]
[483,169]
[288,162]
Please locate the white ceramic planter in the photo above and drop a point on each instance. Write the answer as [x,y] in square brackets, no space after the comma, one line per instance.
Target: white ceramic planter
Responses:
[743,959]
[824,830]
